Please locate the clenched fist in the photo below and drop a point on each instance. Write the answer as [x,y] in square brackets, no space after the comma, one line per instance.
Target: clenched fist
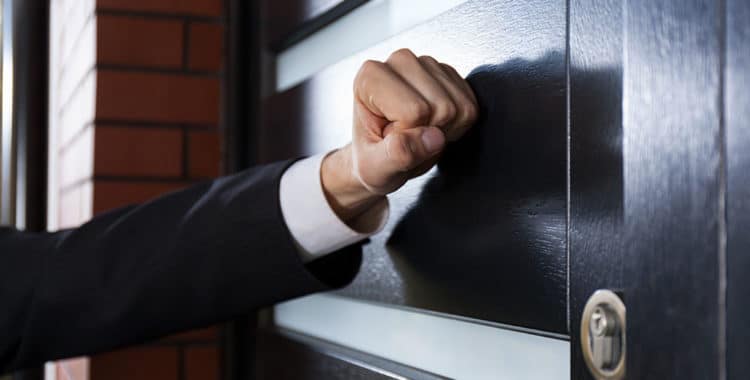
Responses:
[405,110]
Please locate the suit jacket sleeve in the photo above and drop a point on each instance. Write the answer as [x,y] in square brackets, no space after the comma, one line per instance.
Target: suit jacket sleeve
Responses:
[188,259]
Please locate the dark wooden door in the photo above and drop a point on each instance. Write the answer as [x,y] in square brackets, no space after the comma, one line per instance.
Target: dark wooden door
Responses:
[649,202]
[498,199]
[610,154]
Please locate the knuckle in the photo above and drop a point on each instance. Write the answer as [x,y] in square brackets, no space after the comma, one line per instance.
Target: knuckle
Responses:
[419,112]
[369,68]
[402,55]
[470,112]
[434,67]
[448,67]
[366,72]
[450,71]
[445,112]
[428,60]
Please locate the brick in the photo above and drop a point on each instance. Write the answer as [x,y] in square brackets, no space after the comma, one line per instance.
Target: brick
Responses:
[206,46]
[143,363]
[196,7]
[138,41]
[112,194]
[138,151]
[200,335]
[201,363]
[204,154]
[157,97]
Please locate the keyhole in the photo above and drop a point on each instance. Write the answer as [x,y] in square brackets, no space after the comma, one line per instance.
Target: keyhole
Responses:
[598,322]
[603,335]
[602,322]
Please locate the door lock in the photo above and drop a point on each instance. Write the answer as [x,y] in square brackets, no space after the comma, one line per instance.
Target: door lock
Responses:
[603,335]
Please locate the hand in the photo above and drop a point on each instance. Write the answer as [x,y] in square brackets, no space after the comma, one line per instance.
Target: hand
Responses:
[405,109]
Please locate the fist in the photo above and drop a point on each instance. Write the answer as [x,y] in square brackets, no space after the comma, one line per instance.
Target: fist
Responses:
[405,110]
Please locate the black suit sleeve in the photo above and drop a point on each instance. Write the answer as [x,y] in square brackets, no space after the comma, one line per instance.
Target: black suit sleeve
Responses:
[188,259]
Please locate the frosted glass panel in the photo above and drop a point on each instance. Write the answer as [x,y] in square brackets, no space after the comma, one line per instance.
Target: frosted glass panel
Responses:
[445,346]
[365,26]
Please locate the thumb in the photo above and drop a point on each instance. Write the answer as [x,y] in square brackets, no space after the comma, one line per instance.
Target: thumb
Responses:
[403,150]
[385,165]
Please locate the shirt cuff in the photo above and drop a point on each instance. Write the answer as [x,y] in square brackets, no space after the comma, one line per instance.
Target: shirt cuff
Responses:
[315,227]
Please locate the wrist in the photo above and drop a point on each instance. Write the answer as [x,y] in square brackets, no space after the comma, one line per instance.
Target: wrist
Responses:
[347,196]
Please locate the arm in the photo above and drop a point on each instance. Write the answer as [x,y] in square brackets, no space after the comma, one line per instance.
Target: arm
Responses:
[188,259]
[222,248]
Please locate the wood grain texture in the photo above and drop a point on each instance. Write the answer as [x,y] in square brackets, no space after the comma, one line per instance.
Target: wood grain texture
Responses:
[737,113]
[672,155]
[596,162]
[483,235]
[285,355]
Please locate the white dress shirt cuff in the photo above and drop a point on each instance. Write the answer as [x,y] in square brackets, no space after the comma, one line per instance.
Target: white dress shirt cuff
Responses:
[315,227]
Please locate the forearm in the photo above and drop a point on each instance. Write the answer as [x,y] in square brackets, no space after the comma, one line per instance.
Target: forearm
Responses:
[185,260]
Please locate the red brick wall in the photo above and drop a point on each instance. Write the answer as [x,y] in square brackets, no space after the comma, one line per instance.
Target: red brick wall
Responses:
[134,108]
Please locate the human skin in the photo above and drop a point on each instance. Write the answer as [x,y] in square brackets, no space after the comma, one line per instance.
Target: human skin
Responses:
[405,111]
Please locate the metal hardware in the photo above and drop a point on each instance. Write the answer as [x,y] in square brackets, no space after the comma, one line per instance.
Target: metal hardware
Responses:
[603,335]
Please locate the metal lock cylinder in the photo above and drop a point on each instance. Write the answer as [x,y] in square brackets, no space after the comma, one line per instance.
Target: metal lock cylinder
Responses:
[603,335]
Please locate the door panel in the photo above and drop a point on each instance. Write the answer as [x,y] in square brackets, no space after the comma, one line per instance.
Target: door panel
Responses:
[646,188]
[483,235]
[596,163]
[737,111]
[672,152]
